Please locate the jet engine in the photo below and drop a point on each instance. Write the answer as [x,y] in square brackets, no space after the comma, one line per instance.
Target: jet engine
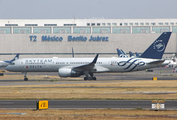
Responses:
[68,72]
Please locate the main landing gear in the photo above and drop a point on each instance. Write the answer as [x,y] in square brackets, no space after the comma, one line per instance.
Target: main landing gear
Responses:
[87,76]
[25,78]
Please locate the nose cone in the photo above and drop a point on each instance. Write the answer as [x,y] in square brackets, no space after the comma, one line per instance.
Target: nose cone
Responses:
[9,68]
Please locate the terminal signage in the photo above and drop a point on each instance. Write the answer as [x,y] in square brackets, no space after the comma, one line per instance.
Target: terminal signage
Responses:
[70,38]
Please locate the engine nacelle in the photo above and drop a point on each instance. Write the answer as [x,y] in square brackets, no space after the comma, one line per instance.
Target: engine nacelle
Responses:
[68,72]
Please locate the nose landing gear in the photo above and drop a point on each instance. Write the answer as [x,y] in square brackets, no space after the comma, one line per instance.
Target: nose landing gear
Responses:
[25,77]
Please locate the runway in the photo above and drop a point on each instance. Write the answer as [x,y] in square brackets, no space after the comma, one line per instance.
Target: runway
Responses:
[162,74]
[86,104]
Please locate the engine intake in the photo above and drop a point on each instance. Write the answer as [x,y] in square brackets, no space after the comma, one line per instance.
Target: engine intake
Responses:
[68,72]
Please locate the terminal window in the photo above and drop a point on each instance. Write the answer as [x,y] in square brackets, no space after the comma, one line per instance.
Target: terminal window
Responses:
[21,30]
[174,29]
[141,23]
[61,30]
[69,24]
[103,31]
[163,30]
[2,31]
[123,31]
[103,24]
[31,24]
[5,30]
[136,23]
[146,23]
[152,23]
[93,24]
[160,29]
[41,30]
[166,23]
[109,24]
[140,29]
[125,24]
[144,31]
[114,24]
[50,24]
[81,30]
[98,24]
[171,23]
[131,24]
[11,24]
[88,24]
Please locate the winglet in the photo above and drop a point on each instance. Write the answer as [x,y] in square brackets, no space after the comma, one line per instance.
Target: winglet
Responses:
[15,58]
[157,48]
[95,59]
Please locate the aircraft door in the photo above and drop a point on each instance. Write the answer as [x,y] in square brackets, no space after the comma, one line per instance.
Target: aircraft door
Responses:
[113,63]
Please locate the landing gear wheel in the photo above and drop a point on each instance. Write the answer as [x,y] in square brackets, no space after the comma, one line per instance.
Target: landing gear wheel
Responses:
[85,78]
[94,78]
[25,79]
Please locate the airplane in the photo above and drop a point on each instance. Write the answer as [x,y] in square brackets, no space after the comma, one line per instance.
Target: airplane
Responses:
[72,52]
[6,63]
[75,67]
[137,54]
[121,53]
[131,54]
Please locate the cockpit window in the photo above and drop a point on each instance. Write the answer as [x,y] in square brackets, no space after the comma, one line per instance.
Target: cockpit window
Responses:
[12,63]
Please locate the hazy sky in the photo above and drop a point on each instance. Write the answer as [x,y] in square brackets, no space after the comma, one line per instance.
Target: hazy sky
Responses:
[80,9]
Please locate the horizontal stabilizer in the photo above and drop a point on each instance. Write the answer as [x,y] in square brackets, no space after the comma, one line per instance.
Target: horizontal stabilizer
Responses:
[157,62]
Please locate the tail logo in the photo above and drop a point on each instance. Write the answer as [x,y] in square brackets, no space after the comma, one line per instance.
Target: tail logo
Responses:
[159,45]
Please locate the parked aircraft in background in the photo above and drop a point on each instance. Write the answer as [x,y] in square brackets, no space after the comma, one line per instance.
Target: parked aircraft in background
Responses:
[6,63]
[121,53]
[131,54]
[137,54]
[75,67]
[72,52]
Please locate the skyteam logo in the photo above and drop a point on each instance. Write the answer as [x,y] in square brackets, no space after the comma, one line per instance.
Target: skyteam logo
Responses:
[131,64]
[159,45]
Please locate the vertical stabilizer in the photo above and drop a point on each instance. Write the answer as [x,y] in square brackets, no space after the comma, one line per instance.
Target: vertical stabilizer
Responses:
[157,48]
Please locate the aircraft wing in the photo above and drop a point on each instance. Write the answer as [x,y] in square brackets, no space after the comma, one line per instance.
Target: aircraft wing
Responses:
[87,67]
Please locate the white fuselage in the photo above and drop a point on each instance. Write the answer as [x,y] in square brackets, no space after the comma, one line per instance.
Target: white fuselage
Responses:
[102,64]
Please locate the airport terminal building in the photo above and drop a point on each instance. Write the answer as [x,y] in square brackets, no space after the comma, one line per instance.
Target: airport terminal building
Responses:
[57,37]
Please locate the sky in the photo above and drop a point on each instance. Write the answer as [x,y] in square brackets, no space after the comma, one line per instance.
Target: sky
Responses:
[87,9]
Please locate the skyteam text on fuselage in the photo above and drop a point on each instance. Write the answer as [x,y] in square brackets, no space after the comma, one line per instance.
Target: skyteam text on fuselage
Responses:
[75,67]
